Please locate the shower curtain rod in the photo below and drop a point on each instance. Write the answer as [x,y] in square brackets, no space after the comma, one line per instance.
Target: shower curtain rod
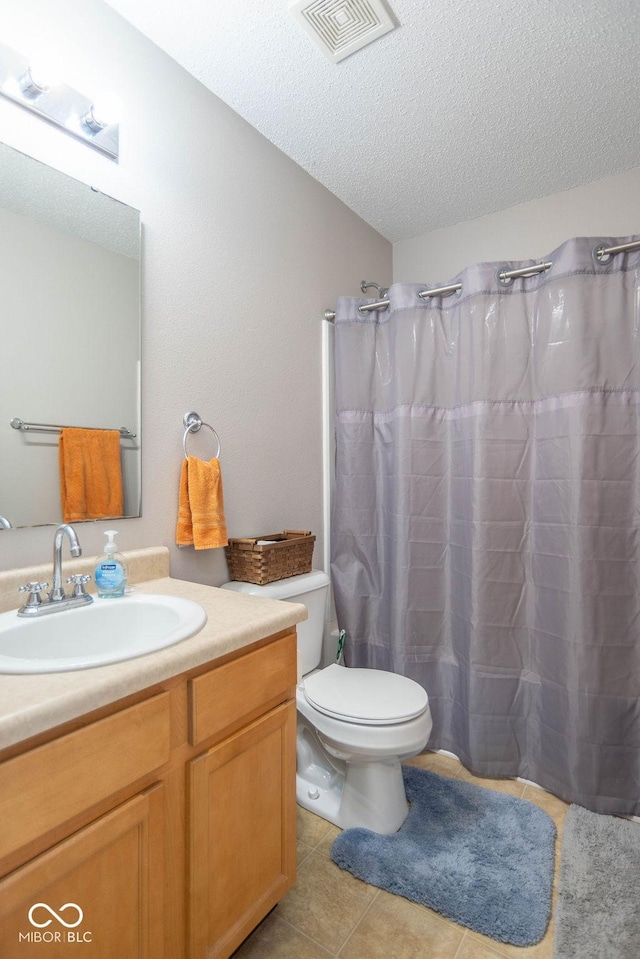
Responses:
[601,252]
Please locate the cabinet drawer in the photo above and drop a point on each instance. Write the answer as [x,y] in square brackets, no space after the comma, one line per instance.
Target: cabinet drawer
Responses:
[241,688]
[47,786]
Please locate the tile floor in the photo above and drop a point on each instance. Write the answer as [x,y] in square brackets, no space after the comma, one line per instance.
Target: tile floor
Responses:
[330,913]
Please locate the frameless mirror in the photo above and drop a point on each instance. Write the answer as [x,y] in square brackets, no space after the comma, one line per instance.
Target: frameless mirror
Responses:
[70,332]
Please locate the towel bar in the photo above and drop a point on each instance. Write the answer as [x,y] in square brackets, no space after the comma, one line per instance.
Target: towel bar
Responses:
[19,424]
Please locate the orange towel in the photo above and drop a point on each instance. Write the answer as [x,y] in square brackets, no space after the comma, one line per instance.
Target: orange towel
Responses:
[90,474]
[201,521]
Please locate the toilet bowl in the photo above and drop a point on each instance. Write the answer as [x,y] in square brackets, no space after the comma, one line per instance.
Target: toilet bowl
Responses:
[354,725]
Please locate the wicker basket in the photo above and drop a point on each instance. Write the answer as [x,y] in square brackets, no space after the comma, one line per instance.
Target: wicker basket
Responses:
[287,554]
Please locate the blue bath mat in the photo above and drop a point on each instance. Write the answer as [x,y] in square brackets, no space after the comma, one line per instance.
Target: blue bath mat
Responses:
[479,857]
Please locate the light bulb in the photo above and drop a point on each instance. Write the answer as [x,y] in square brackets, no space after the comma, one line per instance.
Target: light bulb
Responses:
[103,113]
[92,122]
[39,76]
[33,82]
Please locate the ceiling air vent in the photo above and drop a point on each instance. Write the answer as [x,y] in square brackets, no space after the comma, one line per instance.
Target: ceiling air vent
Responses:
[340,27]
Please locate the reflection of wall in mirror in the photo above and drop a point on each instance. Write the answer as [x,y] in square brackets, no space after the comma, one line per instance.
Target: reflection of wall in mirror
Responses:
[70,335]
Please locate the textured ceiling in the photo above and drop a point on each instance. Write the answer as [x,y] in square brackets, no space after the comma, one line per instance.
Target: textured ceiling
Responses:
[470,106]
[54,199]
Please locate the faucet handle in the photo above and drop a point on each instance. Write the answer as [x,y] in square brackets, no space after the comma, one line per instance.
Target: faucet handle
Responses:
[79,580]
[34,593]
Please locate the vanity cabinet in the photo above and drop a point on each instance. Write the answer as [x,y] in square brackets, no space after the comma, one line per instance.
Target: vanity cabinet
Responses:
[241,797]
[168,819]
[241,859]
[102,886]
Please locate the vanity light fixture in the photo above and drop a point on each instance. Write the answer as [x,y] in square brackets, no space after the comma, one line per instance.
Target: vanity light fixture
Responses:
[71,111]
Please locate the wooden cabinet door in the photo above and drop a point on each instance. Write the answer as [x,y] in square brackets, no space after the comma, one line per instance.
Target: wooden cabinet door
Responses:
[242,832]
[101,888]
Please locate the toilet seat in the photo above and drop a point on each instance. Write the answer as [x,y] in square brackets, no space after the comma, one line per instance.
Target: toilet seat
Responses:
[372,697]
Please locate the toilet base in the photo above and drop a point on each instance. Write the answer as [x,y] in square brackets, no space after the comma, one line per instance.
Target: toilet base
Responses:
[341,791]
[346,805]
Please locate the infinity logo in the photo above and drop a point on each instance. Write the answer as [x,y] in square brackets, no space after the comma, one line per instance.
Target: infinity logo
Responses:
[56,915]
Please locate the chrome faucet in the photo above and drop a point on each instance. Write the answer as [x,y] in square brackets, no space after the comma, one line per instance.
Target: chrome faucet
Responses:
[57,594]
[57,598]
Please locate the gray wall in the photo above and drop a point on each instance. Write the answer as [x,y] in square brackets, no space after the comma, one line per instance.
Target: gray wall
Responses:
[609,207]
[242,252]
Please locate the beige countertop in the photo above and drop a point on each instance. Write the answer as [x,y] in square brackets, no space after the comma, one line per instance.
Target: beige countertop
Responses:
[32,704]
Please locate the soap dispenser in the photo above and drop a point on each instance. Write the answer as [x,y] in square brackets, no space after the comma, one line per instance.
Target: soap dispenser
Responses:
[111,572]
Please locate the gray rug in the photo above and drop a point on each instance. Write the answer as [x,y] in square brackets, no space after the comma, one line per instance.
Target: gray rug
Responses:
[479,857]
[598,910]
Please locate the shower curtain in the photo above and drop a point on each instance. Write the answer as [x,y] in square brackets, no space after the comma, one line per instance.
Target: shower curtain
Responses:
[486,512]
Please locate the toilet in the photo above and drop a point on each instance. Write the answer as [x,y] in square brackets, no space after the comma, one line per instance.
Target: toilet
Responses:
[354,725]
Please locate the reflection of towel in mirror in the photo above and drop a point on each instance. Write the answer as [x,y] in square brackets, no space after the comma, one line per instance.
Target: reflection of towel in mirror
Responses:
[201,521]
[90,474]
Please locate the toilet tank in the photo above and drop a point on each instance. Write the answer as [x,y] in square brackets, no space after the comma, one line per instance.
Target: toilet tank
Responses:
[310,589]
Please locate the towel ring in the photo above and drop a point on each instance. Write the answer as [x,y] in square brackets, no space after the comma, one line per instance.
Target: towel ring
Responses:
[193,422]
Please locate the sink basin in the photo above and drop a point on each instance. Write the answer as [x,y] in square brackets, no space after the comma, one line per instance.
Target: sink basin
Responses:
[107,631]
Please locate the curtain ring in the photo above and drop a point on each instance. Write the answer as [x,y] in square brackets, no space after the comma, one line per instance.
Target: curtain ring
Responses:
[193,423]
[502,279]
[598,258]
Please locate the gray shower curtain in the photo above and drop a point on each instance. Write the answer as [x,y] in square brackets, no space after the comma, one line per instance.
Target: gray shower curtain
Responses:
[486,513]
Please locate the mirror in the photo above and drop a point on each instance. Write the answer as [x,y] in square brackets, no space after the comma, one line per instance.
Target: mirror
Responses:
[70,334]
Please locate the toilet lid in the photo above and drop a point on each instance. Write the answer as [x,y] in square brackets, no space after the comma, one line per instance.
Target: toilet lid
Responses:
[368,696]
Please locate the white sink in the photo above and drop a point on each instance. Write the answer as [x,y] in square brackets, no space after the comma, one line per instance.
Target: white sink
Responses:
[106,631]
